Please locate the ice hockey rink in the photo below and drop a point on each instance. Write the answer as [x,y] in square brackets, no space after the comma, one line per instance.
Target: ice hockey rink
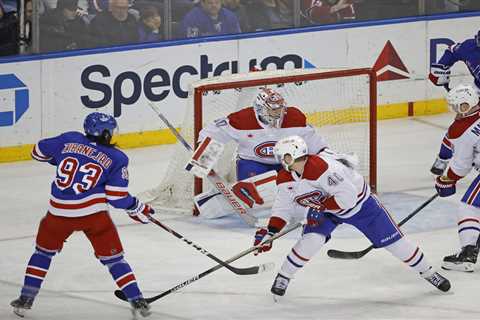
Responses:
[376,286]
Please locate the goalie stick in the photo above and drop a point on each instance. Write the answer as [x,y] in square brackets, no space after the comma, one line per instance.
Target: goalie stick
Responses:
[218,182]
[119,294]
[239,271]
[332,253]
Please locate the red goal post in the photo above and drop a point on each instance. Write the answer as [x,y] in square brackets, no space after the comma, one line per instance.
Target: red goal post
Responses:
[299,76]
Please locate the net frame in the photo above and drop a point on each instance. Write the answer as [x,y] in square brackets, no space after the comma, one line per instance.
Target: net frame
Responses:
[264,78]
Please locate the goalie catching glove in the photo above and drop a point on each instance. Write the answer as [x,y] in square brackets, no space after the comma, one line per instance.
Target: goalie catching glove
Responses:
[205,157]
[140,212]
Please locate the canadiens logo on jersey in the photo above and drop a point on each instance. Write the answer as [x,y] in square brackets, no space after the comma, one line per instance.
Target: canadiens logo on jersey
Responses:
[265,149]
[312,200]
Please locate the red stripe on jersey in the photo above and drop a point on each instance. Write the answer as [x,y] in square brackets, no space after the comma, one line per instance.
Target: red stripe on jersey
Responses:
[331,204]
[447,142]
[468,220]
[123,281]
[116,193]
[37,156]
[294,118]
[202,148]
[77,205]
[36,272]
[244,119]
[452,175]
[299,256]
[473,194]
[284,176]
[459,126]
[413,256]
[276,223]
[314,168]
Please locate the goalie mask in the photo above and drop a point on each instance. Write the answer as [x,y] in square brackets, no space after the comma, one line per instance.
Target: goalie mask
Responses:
[462,100]
[289,149]
[270,107]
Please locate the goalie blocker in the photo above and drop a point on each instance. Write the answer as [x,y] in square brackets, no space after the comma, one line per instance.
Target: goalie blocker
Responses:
[257,193]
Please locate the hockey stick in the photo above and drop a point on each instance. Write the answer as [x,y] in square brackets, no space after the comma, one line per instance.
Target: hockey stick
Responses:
[119,294]
[218,182]
[332,253]
[239,271]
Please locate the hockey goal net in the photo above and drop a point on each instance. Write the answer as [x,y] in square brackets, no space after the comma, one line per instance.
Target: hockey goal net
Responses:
[340,104]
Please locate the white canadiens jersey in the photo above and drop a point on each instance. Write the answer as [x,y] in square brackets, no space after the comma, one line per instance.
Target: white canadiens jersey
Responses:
[325,182]
[255,139]
[463,137]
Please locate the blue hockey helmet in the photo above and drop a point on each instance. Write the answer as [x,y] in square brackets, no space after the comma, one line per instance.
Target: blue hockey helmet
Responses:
[97,123]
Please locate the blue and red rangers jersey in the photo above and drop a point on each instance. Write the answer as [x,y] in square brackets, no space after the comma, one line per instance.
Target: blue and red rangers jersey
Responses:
[468,52]
[89,176]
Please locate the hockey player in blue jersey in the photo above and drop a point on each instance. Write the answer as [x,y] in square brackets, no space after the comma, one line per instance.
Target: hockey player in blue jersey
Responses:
[91,174]
[468,52]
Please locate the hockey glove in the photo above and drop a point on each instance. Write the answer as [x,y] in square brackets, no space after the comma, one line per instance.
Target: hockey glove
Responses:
[140,211]
[439,74]
[445,186]
[261,236]
[439,166]
[315,218]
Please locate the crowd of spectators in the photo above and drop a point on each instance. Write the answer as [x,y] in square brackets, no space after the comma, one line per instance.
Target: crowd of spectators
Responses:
[76,24]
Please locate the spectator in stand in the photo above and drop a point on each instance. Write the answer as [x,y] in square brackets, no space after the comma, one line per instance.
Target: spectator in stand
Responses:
[150,23]
[328,11]
[270,14]
[241,11]
[8,31]
[62,28]
[209,18]
[114,27]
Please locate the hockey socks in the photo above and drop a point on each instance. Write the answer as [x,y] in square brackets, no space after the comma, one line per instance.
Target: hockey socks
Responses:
[468,231]
[301,253]
[123,276]
[37,269]
[409,254]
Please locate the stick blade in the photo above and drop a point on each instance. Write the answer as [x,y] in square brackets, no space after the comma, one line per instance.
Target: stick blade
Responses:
[336,254]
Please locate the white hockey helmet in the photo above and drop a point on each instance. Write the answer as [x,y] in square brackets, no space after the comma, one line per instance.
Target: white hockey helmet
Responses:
[462,99]
[270,107]
[289,149]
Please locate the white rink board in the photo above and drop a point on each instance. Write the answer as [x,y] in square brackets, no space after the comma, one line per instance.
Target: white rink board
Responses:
[56,86]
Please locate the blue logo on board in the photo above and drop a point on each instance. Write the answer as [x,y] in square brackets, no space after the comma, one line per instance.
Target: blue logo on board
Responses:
[10,86]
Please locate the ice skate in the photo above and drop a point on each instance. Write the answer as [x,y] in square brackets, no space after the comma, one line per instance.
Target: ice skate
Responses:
[436,279]
[439,166]
[140,307]
[462,261]
[279,286]
[21,305]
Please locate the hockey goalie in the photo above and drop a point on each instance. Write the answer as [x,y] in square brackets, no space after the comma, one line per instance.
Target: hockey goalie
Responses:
[255,129]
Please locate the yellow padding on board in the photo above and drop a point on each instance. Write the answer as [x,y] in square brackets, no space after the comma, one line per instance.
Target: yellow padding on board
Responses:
[164,136]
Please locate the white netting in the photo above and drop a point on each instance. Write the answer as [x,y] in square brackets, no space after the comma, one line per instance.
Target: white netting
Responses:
[339,107]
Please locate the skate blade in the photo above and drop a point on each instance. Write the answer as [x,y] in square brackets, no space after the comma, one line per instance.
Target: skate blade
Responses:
[277,298]
[462,267]
[19,312]
[136,314]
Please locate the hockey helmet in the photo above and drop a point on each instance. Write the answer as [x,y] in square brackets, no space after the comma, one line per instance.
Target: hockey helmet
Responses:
[270,107]
[462,99]
[97,123]
[289,149]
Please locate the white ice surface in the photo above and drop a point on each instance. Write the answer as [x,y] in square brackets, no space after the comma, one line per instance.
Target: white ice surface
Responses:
[374,287]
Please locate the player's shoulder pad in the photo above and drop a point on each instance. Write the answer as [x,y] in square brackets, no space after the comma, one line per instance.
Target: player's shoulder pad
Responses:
[294,118]
[244,119]
[284,176]
[314,167]
[459,126]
